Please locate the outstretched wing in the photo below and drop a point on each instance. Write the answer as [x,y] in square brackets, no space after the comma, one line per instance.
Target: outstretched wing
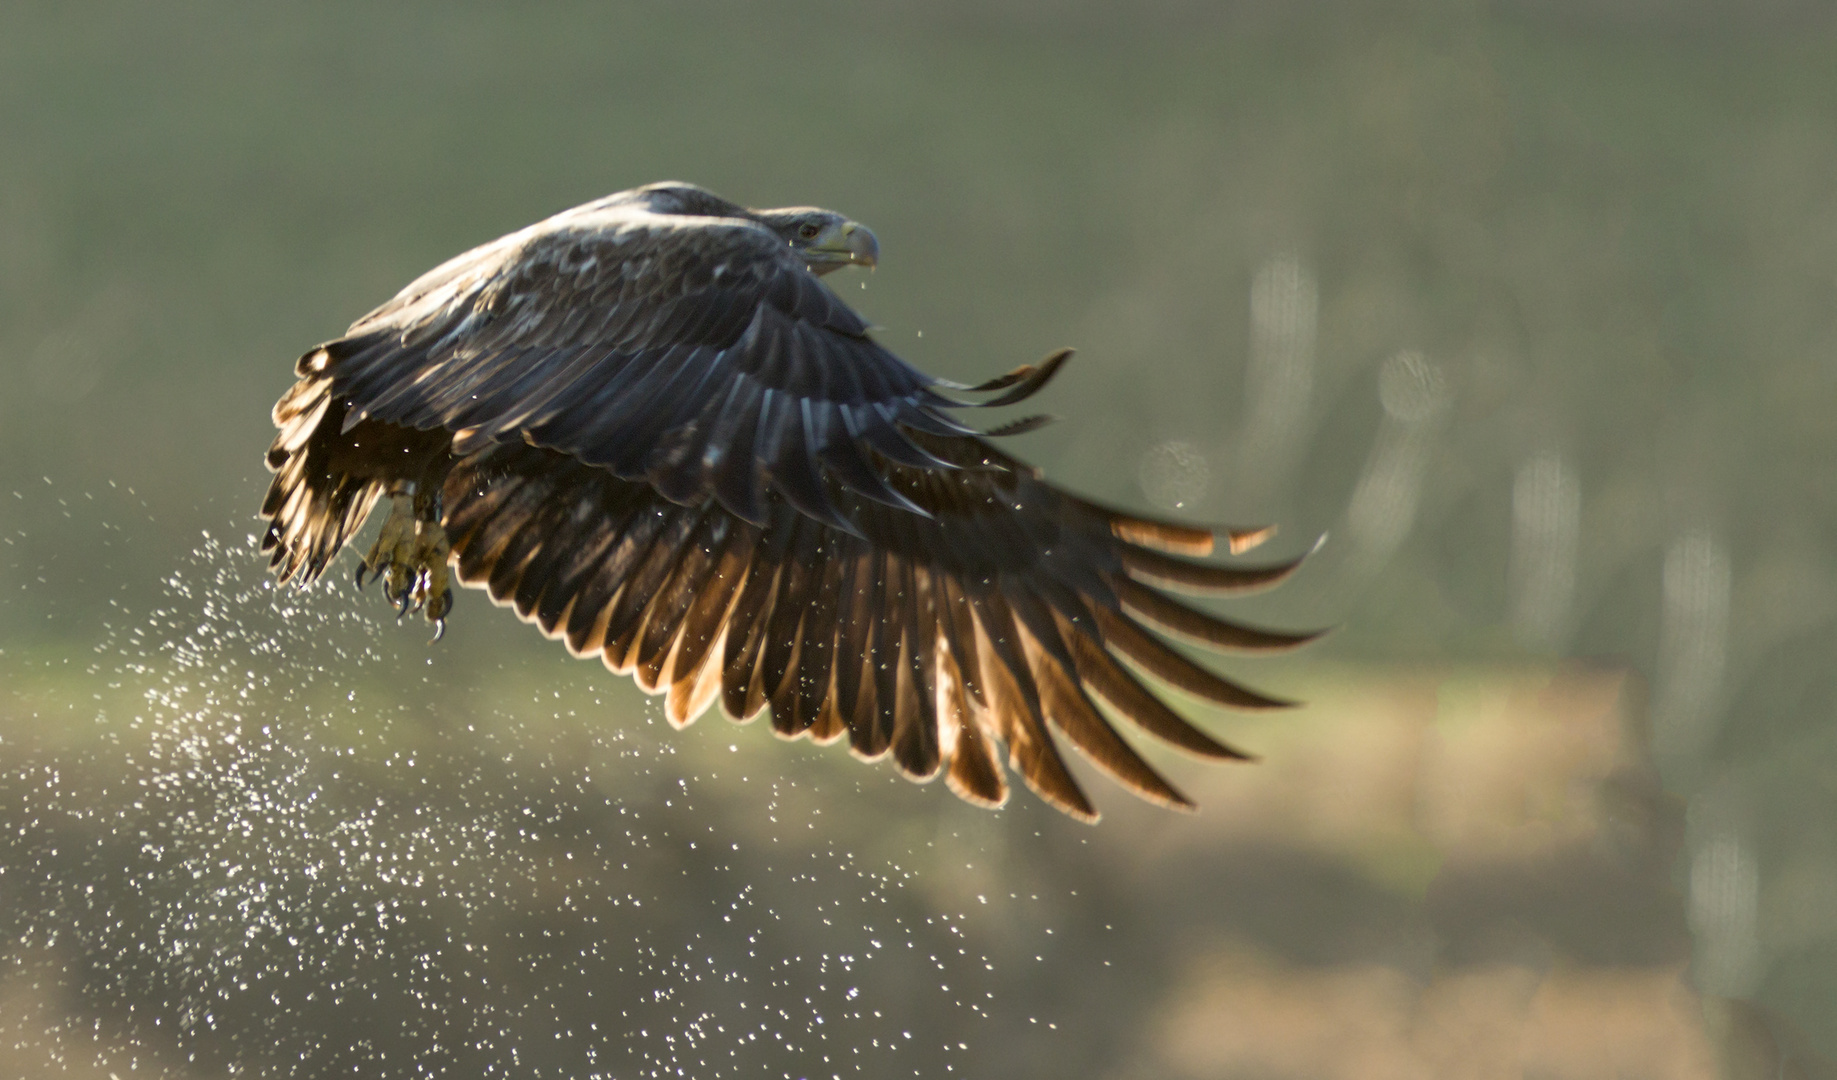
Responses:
[1002,611]
[697,354]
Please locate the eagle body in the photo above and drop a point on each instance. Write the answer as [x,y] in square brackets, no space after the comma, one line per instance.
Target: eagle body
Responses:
[649,426]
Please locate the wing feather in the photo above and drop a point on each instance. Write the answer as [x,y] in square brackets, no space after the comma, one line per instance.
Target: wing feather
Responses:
[1131,641]
[694,562]
[697,663]
[742,694]
[1176,618]
[797,579]
[916,741]
[1154,568]
[874,729]
[816,660]
[973,772]
[1072,713]
[1110,681]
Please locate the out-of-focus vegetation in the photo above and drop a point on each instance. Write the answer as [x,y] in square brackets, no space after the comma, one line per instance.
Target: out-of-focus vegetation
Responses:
[1532,307]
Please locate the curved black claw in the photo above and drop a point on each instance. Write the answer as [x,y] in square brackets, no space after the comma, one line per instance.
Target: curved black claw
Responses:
[439,631]
[409,561]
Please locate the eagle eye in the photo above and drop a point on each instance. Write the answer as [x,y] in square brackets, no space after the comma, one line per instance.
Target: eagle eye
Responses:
[809,229]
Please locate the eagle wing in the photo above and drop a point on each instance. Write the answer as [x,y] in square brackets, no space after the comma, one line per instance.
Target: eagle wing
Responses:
[1005,611]
[701,359]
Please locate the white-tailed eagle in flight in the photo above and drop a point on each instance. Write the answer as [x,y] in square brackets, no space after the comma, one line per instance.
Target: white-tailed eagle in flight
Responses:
[648,425]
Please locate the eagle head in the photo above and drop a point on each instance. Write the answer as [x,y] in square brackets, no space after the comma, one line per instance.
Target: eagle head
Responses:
[824,239]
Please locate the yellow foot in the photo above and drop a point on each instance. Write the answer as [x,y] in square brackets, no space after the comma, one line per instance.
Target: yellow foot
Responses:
[409,558]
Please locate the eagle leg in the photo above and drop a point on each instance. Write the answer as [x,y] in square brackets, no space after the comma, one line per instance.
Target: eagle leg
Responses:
[410,556]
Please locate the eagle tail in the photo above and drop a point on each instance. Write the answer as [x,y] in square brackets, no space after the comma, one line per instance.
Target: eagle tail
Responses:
[312,508]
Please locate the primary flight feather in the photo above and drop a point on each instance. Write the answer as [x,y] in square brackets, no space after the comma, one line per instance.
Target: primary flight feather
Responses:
[647,425]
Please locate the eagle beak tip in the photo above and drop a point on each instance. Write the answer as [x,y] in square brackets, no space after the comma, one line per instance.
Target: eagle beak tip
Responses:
[863,246]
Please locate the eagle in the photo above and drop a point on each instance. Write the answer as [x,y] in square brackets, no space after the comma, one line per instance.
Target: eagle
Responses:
[649,426]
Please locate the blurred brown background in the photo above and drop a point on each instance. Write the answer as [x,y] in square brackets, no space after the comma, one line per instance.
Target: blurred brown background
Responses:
[1531,306]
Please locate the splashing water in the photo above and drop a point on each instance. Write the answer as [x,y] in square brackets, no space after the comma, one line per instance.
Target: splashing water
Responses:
[264,832]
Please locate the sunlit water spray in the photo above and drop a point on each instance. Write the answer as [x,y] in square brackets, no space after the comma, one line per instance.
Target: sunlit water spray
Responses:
[266,832]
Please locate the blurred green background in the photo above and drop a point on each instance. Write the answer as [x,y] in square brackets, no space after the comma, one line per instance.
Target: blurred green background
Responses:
[1530,306]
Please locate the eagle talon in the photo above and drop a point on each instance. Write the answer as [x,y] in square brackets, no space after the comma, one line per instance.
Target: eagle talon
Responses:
[409,560]
[439,600]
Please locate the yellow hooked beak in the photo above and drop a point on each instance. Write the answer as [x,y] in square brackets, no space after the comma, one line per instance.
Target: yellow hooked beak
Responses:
[852,244]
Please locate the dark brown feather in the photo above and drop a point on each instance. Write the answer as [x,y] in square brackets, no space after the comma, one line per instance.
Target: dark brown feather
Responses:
[1154,568]
[973,773]
[1103,676]
[1072,713]
[1175,670]
[1176,618]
